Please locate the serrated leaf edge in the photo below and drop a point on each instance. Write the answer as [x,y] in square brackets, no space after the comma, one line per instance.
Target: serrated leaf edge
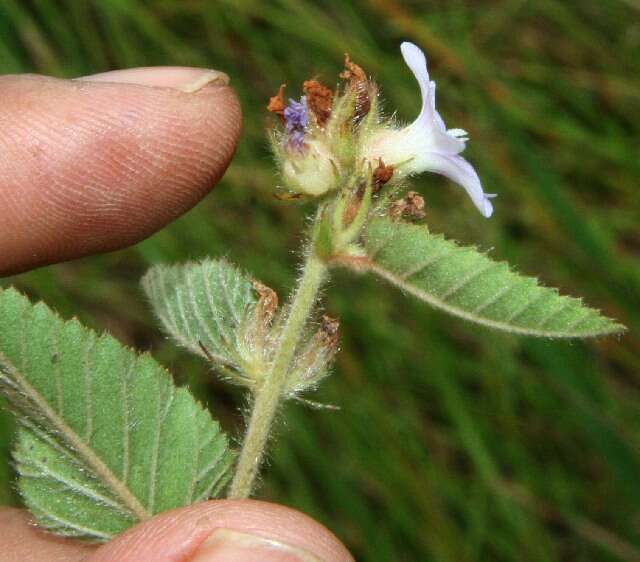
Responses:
[151,284]
[456,311]
[369,263]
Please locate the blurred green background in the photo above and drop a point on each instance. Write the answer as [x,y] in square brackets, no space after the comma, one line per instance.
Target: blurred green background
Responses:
[454,443]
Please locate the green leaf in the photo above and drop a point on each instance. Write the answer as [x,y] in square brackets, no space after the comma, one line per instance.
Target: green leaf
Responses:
[466,283]
[106,440]
[201,305]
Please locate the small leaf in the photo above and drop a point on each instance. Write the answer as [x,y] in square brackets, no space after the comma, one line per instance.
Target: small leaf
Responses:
[466,283]
[106,440]
[201,305]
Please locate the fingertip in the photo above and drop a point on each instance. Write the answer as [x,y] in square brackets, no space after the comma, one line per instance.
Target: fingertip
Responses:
[184,78]
[90,166]
[222,530]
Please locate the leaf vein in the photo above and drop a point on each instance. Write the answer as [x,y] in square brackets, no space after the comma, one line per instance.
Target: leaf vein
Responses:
[126,430]
[161,418]
[75,442]
[198,315]
[518,312]
[66,524]
[493,299]
[454,289]
[551,314]
[214,462]
[212,308]
[87,388]
[46,472]
[434,301]
[173,321]
[196,460]
[431,260]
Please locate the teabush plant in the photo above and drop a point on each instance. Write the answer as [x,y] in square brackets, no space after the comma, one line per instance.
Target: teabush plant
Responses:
[106,439]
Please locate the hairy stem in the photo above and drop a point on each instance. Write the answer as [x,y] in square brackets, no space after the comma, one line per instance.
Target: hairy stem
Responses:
[268,396]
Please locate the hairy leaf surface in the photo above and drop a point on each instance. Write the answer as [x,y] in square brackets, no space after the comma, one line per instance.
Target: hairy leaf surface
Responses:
[466,283]
[106,440]
[201,305]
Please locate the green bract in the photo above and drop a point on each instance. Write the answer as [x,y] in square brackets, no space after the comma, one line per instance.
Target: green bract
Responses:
[202,306]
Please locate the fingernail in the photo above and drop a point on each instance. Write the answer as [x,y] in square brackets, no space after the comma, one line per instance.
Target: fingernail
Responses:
[183,78]
[226,545]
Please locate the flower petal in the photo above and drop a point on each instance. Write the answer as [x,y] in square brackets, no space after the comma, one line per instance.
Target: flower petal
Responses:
[456,168]
[428,125]
[417,62]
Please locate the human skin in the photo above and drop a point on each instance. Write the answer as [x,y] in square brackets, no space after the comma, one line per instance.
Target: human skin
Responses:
[96,164]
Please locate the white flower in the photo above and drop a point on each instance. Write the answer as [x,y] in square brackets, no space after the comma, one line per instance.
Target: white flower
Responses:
[426,144]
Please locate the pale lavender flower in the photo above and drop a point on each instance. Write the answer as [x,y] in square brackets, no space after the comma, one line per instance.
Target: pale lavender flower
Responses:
[426,144]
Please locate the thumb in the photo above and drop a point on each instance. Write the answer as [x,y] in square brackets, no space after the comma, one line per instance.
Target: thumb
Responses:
[226,531]
[98,163]
[214,531]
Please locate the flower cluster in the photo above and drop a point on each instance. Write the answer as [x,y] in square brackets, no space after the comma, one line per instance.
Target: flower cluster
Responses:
[326,139]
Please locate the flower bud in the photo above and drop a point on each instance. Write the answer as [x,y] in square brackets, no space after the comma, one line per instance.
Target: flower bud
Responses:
[310,170]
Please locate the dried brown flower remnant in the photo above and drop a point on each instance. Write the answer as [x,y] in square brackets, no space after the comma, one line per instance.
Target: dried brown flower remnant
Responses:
[255,332]
[354,204]
[267,302]
[328,332]
[364,92]
[319,100]
[276,103]
[359,86]
[381,175]
[410,206]
[352,71]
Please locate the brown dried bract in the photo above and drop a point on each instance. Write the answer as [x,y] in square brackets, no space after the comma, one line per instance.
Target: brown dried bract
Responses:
[276,103]
[352,71]
[360,87]
[319,100]
[267,302]
[363,91]
[354,204]
[381,175]
[410,206]
[328,332]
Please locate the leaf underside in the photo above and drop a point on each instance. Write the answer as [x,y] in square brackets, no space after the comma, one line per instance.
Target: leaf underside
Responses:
[201,305]
[106,440]
[466,283]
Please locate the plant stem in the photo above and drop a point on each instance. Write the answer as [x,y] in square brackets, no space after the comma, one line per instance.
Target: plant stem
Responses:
[268,396]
